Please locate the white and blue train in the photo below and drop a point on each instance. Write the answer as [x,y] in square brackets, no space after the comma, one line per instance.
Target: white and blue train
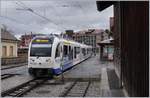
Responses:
[53,55]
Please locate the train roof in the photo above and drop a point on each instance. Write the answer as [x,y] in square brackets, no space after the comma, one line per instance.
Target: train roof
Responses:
[74,42]
[64,40]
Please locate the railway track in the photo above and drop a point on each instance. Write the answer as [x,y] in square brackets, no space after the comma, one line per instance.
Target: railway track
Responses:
[20,65]
[5,76]
[22,89]
[77,89]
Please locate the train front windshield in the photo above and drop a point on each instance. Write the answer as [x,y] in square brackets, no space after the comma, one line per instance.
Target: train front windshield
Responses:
[40,52]
[41,47]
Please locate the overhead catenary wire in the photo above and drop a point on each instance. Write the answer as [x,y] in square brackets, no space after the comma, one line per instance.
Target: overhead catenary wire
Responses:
[57,14]
[43,17]
[11,19]
[81,8]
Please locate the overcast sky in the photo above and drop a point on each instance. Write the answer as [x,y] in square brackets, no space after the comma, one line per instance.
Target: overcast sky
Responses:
[52,16]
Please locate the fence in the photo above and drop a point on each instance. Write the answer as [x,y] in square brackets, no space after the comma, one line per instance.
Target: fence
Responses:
[14,60]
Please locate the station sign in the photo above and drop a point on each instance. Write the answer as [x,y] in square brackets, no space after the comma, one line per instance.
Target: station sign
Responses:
[67,42]
[42,41]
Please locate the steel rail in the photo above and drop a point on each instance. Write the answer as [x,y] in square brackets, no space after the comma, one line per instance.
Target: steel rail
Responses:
[5,76]
[20,90]
[68,90]
[71,91]
[86,89]
[20,65]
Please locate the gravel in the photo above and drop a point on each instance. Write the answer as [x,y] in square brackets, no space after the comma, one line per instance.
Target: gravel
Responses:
[14,81]
[48,90]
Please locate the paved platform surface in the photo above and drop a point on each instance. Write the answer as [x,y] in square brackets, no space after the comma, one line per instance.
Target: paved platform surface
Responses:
[89,68]
[94,68]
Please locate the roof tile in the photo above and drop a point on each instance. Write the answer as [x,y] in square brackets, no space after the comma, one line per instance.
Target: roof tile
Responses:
[7,35]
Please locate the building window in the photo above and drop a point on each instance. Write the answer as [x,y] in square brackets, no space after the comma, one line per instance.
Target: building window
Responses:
[11,51]
[4,51]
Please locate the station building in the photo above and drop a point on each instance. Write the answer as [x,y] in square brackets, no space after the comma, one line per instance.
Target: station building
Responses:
[131,41]
[9,44]
[9,50]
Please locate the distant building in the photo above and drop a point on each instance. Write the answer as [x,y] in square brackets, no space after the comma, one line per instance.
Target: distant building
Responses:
[26,39]
[9,44]
[69,33]
[89,37]
[104,36]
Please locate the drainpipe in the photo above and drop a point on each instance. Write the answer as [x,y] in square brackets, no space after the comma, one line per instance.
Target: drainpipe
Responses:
[0,38]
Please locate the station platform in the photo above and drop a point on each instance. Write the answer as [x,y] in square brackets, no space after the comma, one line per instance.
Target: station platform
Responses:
[105,82]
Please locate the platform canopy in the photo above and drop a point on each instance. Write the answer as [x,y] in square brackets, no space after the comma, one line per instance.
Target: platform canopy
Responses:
[106,42]
[101,5]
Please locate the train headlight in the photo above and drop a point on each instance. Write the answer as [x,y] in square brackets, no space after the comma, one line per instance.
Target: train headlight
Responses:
[48,60]
[32,60]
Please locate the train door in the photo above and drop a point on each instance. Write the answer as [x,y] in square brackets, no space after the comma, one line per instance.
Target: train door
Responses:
[76,55]
[67,59]
[83,53]
[58,55]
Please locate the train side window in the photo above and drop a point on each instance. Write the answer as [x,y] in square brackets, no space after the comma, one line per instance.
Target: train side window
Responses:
[88,51]
[78,50]
[65,51]
[75,52]
[83,51]
[57,54]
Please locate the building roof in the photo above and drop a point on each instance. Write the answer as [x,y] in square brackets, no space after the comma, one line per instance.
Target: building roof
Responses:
[101,5]
[94,32]
[106,42]
[7,36]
